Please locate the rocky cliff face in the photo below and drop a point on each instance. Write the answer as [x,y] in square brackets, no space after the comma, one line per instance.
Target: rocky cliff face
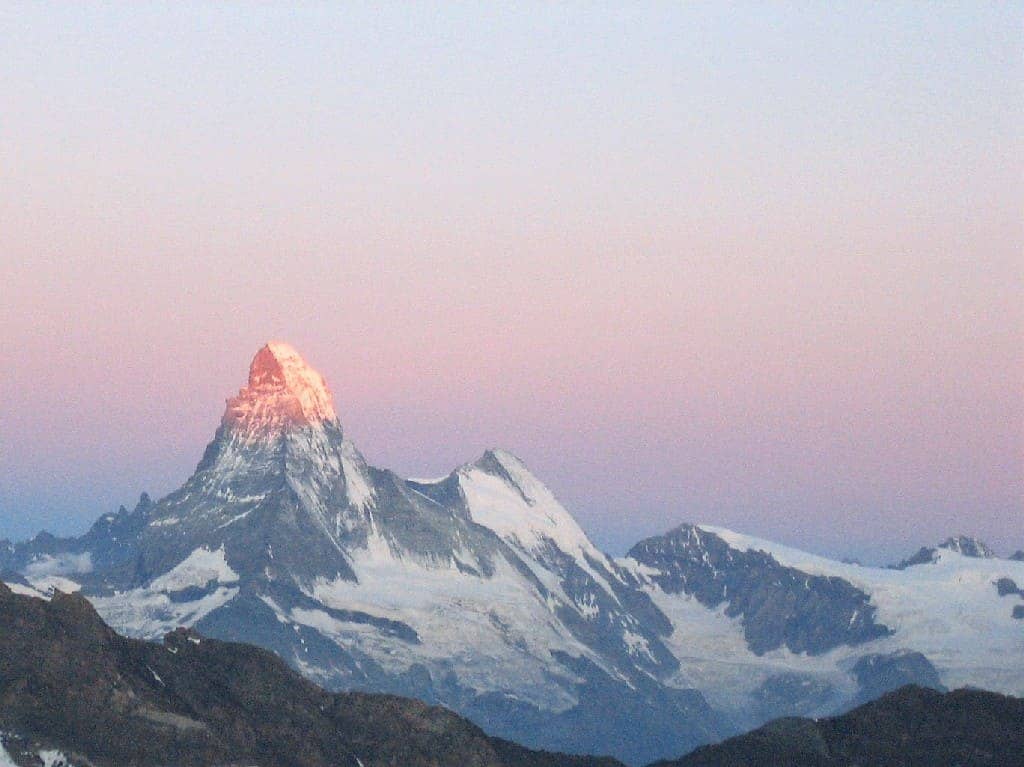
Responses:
[778,606]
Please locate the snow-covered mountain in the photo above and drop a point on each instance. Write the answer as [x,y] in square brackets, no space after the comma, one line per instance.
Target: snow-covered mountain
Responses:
[478,590]
[763,629]
[481,592]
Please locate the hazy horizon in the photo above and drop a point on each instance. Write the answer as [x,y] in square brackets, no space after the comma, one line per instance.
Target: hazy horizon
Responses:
[754,267]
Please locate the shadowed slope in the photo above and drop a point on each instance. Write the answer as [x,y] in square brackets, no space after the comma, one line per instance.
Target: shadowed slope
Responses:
[68,681]
[911,727]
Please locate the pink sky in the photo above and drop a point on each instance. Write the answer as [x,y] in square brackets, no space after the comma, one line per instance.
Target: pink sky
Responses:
[758,269]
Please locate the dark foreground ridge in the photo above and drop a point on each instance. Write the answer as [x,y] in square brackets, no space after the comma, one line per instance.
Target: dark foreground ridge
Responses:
[69,682]
[911,727]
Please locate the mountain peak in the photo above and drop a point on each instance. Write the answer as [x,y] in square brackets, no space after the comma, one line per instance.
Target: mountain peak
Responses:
[967,546]
[964,545]
[283,390]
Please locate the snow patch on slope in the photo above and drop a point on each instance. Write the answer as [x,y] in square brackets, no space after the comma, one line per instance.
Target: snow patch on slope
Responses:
[62,564]
[357,485]
[47,584]
[197,569]
[714,656]
[48,757]
[147,614]
[524,511]
[150,612]
[26,591]
[52,758]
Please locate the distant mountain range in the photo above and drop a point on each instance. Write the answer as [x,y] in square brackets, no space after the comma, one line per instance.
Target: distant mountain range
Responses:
[479,591]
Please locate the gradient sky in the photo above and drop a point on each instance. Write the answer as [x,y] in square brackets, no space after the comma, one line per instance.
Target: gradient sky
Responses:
[755,265]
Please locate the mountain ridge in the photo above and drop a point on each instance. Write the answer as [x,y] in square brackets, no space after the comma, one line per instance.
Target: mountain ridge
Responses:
[481,592]
[911,727]
[69,682]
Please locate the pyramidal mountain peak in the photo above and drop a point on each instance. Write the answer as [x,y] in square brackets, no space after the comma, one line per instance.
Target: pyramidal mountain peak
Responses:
[283,391]
[968,546]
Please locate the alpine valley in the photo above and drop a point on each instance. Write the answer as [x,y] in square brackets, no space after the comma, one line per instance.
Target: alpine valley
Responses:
[480,592]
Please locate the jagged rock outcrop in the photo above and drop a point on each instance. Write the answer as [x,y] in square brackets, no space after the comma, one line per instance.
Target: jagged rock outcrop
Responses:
[964,545]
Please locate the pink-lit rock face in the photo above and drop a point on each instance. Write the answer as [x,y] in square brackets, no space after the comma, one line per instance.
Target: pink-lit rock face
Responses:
[283,391]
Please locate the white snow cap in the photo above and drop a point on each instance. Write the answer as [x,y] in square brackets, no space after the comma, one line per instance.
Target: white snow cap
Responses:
[283,390]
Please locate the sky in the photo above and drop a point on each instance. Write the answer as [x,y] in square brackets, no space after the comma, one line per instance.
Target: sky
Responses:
[754,265]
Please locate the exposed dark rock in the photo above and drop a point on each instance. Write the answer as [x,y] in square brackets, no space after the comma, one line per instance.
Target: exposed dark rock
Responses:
[911,727]
[961,544]
[924,556]
[1018,556]
[68,681]
[791,693]
[878,674]
[968,546]
[779,606]
[1007,586]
